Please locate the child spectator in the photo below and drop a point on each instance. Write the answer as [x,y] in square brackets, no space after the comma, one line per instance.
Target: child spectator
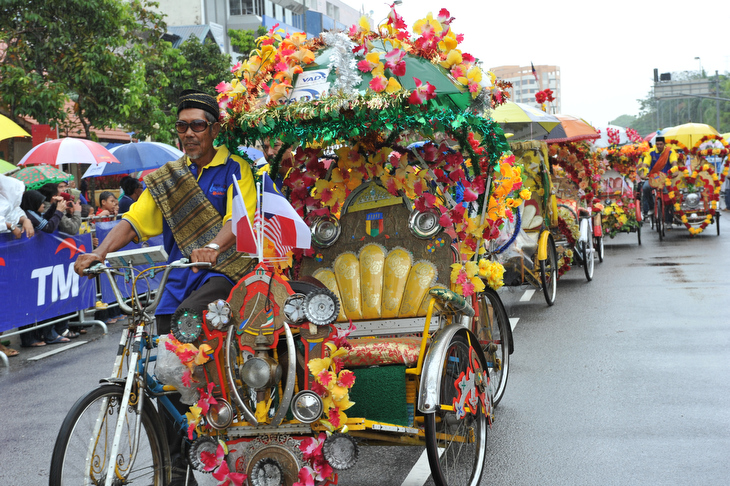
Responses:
[108,206]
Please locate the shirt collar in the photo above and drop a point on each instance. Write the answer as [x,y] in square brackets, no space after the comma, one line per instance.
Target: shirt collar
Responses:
[220,158]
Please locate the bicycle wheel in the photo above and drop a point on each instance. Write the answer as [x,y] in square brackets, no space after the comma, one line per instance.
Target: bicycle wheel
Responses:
[598,244]
[638,234]
[456,436]
[717,223]
[86,437]
[659,215]
[549,273]
[495,336]
[588,255]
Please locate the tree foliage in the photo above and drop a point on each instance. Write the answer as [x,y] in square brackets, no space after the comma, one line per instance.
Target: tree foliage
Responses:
[657,114]
[86,51]
[244,41]
[108,58]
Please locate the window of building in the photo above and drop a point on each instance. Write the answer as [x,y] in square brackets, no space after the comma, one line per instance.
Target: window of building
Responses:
[333,11]
[312,4]
[245,7]
[279,12]
[268,8]
[288,17]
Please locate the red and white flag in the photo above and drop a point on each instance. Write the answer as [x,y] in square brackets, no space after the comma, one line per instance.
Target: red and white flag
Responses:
[282,224]
[245,239]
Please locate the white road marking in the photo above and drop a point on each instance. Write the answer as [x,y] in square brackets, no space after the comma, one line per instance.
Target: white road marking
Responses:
[421,471]
[57,350]
[527,295]
[513,322]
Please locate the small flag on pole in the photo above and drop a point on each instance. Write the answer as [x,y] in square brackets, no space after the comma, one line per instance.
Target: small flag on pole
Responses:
[534,72]
[283,225]
[245,239]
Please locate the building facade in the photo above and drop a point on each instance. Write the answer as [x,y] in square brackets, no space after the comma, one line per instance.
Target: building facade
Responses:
[524,84]
[310,16]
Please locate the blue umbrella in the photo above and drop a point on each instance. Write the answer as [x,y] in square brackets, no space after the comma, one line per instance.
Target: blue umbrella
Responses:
[135,157]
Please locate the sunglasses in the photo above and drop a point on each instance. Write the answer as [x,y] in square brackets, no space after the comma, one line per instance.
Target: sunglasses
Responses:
[195,125]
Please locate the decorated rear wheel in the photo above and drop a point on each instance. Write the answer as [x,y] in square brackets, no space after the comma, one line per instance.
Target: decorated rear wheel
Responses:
[549,273]
[456,434]
[588,255]
[495,337]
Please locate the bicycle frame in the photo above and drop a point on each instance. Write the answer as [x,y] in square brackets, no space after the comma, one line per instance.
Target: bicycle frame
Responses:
[137,369]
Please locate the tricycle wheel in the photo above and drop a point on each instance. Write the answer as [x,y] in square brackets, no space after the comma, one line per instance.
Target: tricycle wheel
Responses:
[717,223]
[588,256]
[456,434]
[549,273]
[638,234]
[598,245]
[659,215]
[495,337]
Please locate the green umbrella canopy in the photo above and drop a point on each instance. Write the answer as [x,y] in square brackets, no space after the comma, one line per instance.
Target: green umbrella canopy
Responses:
[6,166]
[37,175]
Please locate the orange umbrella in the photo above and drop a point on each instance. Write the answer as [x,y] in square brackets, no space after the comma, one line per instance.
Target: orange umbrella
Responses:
[571,129]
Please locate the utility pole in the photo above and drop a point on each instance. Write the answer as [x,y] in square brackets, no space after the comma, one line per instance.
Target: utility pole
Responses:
[717,100]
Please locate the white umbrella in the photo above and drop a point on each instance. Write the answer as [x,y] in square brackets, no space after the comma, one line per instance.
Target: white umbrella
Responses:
[67,151]
[136,157]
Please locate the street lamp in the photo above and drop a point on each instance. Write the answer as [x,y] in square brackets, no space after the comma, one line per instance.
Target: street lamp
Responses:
[700,61]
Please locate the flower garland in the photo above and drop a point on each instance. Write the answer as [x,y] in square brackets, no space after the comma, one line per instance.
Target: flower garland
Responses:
[468,279]
[711,145]
[626,158]
[568,226]
[683,179]
[565,259]
[582,166]
[617,220]
[332,382]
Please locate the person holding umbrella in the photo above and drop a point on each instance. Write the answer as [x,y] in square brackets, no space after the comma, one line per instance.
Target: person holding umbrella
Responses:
[201,182]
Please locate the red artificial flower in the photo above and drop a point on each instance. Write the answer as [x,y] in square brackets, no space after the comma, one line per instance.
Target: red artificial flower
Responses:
[422,93]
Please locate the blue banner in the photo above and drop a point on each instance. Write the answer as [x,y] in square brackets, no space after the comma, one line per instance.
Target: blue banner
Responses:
[37,279]
[125,284]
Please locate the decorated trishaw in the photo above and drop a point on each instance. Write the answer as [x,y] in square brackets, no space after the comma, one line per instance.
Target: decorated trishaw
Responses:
[388,330]
[619,192]
[578,170]
[693,188]
[531,246]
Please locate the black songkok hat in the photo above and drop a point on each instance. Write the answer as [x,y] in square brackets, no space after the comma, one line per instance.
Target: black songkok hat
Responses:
[659,138]
[191,98]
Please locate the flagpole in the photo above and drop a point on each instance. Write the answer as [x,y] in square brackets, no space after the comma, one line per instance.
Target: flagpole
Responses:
[260,223]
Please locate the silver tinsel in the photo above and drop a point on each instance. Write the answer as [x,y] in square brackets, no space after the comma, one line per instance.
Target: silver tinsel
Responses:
[343,61]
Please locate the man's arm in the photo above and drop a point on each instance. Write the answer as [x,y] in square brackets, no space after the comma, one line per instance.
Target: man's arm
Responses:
[225,239]
[117,238]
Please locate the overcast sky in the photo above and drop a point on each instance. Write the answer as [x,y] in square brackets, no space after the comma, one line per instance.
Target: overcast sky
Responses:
[606,51]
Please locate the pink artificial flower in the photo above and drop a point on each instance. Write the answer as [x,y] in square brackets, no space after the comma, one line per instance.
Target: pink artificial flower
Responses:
[422,93]
[187,378]
[236,67]
[365,66]
[206,398]
[469,195]
[312,447]
[322,469]
[394,62]
[445,220]
[212,461]
[426,201]
[306,477]
[222,87]
[340,338]
[378,83]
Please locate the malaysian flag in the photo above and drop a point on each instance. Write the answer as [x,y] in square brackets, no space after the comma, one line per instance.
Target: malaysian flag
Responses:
[282,224]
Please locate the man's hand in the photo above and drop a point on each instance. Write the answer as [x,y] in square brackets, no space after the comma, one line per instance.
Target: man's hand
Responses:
[204,255]
[59,202]
[85,260]
[17,231]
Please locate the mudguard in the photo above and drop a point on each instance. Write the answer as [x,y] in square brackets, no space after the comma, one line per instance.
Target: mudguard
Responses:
[542,245]
[429,392]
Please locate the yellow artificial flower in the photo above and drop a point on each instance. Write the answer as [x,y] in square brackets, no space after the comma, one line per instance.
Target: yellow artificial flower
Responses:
[448,42]
[525,194]
[453,58]
[393,86]
[420,26]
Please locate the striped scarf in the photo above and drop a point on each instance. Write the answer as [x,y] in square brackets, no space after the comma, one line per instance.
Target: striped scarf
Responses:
[193,220]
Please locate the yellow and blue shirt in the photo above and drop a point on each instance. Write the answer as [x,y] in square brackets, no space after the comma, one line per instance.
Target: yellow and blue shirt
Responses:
[216,182]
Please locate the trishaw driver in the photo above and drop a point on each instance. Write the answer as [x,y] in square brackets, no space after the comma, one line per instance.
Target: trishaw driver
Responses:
[188,201]
[658,159]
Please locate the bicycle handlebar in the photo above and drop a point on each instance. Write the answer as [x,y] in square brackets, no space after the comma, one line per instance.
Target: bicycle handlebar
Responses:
[98,268]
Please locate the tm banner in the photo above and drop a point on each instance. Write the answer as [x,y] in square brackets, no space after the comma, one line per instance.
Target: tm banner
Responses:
[37,278]
[125,283]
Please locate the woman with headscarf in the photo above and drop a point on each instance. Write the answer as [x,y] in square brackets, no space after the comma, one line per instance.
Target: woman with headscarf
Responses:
[32,204]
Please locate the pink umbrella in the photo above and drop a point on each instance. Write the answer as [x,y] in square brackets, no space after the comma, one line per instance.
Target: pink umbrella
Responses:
[68,151]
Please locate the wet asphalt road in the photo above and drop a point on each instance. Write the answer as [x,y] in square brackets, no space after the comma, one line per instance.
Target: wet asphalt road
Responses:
[625,381]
